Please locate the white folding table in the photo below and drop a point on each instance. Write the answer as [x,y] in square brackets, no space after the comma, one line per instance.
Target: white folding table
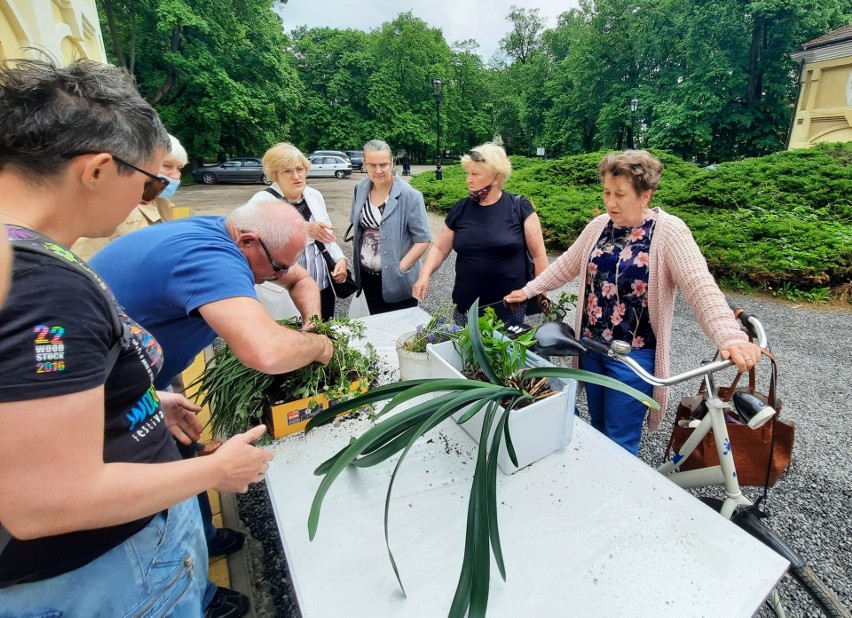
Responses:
[588,531]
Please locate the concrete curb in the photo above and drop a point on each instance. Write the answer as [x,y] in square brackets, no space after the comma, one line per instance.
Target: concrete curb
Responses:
[238,562]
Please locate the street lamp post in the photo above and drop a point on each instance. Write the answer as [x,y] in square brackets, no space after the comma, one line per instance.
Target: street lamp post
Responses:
[437,84]
[634,105]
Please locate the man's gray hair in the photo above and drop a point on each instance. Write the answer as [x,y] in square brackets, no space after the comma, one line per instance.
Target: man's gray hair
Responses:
[48,113]
[378,145]
[267,219]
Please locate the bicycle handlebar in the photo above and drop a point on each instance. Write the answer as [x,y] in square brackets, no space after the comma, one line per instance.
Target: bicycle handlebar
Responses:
[752,324]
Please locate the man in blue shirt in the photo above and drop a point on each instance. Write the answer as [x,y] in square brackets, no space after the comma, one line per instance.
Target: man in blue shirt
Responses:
[193,279]
[188,281]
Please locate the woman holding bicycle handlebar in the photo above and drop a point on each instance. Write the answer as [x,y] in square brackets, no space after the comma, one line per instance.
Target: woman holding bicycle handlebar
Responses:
[630,262]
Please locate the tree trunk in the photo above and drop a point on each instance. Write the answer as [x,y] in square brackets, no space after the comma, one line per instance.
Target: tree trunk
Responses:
[171,78]
[109,9]
[754,88]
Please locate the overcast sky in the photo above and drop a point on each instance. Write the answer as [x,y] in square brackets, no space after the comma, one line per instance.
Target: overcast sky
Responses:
[482,20]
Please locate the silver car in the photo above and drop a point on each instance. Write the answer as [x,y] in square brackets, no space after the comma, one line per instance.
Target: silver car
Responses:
[329,166]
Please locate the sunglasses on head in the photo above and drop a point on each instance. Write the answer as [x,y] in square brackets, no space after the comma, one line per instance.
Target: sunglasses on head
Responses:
[152,188]
[476,156]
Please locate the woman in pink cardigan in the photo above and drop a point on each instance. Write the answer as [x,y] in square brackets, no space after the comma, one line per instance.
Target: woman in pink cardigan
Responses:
[630,261]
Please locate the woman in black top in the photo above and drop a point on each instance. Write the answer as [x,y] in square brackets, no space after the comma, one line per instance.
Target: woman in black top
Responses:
[491,231]
[97,511]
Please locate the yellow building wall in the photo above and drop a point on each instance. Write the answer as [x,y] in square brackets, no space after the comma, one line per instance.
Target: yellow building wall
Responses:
[65,30]
[824,108]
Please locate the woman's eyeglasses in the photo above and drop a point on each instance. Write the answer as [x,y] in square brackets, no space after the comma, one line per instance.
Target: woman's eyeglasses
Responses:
[476,156]
[152,188]
[294,171]
[278,270]
[380,166]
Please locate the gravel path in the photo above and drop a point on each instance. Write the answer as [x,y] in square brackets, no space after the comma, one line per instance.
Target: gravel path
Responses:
[810,507]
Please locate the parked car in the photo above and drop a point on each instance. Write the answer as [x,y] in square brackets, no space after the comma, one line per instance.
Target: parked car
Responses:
[242,169]
[333,153]
[329,166]
[356,157]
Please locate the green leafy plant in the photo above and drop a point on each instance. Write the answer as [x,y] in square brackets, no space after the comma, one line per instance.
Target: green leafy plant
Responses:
[559,308]
[235,393]
[494,357]
[438,329]
[815,295]
[397,433]
[762,221]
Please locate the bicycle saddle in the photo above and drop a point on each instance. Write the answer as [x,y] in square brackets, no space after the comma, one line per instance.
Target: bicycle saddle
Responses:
[557,339]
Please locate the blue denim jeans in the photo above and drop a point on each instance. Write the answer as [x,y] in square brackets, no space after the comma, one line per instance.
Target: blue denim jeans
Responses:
[161,570]
[614,414]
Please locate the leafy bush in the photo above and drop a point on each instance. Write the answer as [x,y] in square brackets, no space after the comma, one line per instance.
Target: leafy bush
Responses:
[763,222]
[235,393]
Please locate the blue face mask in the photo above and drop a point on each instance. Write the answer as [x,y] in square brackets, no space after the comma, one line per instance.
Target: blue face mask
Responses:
[171,189]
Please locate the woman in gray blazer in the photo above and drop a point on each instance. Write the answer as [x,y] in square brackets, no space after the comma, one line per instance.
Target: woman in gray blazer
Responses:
[391,233]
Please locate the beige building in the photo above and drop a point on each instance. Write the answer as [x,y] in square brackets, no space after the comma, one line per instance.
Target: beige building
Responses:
[824,109]
[66,29]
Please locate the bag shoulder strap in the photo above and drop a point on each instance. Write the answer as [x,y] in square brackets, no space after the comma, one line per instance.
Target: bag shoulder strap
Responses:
[274,192]
[26,240]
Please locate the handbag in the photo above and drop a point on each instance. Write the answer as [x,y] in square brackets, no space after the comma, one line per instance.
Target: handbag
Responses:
[359,307]
[344,289]
[540,303]
[761,455]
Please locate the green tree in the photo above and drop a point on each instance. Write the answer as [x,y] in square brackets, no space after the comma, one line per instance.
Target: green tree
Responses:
[408,55]
[334,66]
[524,38]
[469,120]
[220,78]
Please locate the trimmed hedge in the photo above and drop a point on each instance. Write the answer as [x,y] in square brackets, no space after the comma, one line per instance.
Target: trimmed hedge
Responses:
[783,219]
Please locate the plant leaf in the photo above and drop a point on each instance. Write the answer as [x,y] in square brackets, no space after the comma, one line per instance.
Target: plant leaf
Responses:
[388,427]
[491,496]
[440,414]
[476,347]
[481,568]
[498,392]
[409,417]
[373,395]
[434,385]
[593,378]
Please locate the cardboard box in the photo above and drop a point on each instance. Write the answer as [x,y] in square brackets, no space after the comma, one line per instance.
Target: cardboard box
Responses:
[285,417]
[537,430]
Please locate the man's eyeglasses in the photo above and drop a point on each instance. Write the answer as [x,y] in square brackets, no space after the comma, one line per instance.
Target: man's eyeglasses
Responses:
[152,188]
[379,166]
[476,156]
[278,270]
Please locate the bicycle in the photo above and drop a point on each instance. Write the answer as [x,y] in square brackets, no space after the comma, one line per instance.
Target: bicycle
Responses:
[557,340]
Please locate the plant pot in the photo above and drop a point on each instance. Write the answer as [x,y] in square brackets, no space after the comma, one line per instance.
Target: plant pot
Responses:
[285,417]
[537,429]
[412,365]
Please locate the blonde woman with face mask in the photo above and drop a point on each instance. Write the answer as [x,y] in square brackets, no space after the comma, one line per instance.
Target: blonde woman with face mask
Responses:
[491,231]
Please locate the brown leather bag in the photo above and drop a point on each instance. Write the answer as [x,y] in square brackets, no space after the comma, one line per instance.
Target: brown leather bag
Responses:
[761,455]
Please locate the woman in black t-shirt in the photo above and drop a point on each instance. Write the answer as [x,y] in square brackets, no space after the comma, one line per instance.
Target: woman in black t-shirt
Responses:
[492,232]
[97,512]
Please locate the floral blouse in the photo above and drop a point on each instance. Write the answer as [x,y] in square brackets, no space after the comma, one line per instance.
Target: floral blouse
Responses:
[617,286]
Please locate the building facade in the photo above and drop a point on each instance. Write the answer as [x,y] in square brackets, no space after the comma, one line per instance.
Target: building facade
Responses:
[65,30]
[824,107]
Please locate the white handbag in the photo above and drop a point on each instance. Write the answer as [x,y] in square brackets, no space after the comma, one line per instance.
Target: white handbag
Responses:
[359,307]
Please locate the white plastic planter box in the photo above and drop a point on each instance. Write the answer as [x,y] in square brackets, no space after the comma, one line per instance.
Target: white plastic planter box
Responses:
[537,430]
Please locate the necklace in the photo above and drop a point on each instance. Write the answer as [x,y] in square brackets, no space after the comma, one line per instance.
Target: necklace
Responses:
[28,225]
